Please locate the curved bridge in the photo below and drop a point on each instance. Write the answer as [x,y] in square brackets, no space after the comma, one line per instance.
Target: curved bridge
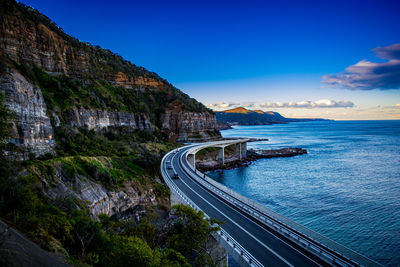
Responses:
[252,234]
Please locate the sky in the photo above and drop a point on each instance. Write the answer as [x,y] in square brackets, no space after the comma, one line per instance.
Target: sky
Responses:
[328,59]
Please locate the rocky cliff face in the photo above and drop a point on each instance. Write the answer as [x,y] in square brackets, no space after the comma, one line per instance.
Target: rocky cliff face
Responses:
[99,119]
[29,40]
[98,199]
[59,88]
[190,126]
[31,130]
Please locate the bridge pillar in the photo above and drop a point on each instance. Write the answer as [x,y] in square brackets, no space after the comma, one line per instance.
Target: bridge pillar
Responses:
[221,155]
[239,151]
[243,149]
[192,160]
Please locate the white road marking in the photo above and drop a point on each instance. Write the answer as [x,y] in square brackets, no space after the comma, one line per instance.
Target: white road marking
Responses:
[269,232]
[244,230]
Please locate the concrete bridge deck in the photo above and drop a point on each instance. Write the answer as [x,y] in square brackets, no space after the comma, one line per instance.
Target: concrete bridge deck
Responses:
[241,149]
[252,234]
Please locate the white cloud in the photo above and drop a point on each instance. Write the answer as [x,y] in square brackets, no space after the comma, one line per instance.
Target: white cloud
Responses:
[367,75]
[356,113]
[249,105]
[322,103]
[323,108]
[223,105]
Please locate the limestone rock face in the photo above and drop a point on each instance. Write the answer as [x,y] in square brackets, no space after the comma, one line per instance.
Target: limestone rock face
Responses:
[99,199]
[30,39]
[121,79]
[190,126]
[99,119]
[51,50]
[32,130]
[46,49]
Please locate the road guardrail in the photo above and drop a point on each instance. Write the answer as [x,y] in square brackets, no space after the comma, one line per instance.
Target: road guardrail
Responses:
[221,235]
[331,252]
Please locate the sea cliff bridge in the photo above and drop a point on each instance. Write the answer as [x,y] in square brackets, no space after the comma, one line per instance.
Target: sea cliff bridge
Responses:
[252,234]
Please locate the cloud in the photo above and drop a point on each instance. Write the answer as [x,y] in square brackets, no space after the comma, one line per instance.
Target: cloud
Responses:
[388,52]
[367,75]
[322,103]
[223,105]
[249,105]
[397,105]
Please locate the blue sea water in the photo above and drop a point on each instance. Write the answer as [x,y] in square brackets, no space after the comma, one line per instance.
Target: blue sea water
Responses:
[347,187]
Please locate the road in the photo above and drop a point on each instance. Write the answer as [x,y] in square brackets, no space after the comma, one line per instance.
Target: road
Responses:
[268,247]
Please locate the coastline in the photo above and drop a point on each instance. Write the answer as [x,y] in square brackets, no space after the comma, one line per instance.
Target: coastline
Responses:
[233,162]
[343,167]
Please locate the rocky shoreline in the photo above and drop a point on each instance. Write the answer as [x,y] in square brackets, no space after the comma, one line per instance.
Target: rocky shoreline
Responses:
[250,139]
[252,155]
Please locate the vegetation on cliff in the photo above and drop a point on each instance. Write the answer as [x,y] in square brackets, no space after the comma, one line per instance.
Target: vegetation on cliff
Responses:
[63,92]
[97,86]
[63,226]
[60,227]
[5,122]
[111,158]
[74,75]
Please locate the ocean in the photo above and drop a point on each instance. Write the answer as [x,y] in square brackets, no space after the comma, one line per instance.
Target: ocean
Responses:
[347,187]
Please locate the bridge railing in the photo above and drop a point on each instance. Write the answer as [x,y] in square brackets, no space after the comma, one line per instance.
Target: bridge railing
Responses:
[221,235]
[329,251]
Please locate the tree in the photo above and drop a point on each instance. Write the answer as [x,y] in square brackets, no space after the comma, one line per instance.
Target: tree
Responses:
[86,231]
[172,258]
[128,251]
[190,234]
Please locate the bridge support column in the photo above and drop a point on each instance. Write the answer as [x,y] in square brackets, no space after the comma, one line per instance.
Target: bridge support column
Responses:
[235,253]
[192,160]
[239,151]
[221,155]
[243,149]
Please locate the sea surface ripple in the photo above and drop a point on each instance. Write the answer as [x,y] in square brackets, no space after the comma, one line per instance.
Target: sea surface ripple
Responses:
[347,187]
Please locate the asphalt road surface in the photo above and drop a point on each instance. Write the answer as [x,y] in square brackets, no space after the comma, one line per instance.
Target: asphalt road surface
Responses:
[265,245]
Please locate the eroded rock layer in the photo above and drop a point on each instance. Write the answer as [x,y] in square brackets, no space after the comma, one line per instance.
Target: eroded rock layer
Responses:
[31,129]
[92,87]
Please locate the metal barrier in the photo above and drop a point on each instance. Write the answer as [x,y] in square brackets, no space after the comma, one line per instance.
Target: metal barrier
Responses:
[251,260]
[305,238]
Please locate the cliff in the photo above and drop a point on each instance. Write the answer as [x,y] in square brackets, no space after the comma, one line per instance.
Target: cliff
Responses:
[88,131]
[31,129]
[92,180]
[183,125]
[242,116]
[52,80]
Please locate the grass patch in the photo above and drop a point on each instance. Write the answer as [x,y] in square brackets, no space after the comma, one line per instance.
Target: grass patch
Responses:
[112,172]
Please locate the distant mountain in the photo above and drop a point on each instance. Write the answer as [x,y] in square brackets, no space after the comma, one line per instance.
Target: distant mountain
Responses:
[243,116]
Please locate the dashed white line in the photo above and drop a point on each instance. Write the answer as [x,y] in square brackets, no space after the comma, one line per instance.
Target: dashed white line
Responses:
[244,230]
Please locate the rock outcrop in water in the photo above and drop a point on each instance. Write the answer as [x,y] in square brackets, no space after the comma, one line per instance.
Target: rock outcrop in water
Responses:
[209,162]
[222,125]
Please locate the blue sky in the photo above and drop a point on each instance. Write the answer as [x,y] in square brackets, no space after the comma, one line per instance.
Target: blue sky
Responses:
[257,53]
